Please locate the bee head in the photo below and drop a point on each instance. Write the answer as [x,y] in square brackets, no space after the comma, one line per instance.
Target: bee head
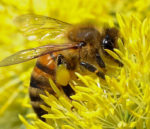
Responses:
[109,39]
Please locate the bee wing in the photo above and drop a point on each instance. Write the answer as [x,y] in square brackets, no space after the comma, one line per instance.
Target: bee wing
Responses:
[29,54]
[41,28]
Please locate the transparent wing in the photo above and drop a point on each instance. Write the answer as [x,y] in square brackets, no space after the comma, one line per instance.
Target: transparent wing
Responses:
[41,28]
[29,54]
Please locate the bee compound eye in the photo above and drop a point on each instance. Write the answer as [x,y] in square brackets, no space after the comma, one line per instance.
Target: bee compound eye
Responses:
[107,43]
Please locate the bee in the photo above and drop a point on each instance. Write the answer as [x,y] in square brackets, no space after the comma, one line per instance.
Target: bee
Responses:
[84,51]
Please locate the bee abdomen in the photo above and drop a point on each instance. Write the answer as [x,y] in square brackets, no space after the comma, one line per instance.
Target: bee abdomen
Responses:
[35,92]
[45,68]
[37,109]
[39,83]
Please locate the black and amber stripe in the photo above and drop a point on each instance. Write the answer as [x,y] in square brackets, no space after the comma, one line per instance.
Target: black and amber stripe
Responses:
[44,69]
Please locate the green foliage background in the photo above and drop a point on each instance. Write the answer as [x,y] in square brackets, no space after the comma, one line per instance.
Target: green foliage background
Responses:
[14,80]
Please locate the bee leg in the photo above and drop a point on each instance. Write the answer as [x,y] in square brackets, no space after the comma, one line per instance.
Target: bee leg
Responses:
[99,60]
[118,62]
[63,75]
[92,68]
[61,60]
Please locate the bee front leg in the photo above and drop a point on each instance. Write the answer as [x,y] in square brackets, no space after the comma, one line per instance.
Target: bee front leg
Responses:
[99,60]
[92,68]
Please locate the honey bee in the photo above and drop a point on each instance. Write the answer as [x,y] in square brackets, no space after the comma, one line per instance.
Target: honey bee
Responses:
[84,51]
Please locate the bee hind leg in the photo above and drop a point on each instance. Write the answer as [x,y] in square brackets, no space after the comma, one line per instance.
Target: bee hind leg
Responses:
[63,75]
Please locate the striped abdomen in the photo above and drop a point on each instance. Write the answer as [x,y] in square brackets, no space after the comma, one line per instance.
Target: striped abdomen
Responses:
[44,69]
